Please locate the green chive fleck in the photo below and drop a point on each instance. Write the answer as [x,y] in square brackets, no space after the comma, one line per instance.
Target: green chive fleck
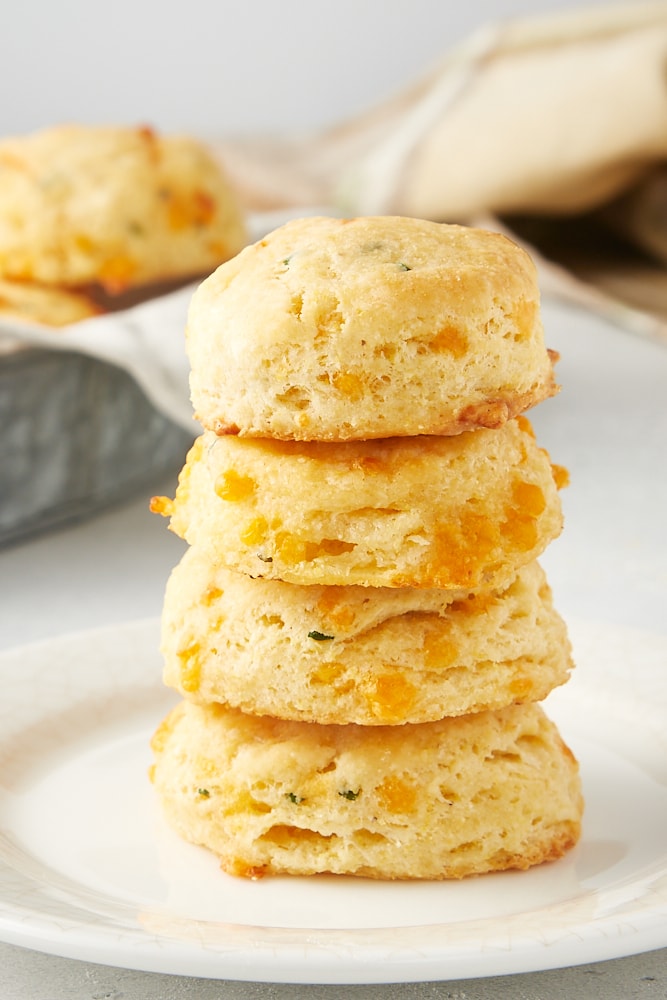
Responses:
[204,792]
[404,267]
[294,798]
[320,636]
[350,795]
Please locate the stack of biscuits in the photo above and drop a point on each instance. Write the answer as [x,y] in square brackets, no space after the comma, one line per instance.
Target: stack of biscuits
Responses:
[359,628]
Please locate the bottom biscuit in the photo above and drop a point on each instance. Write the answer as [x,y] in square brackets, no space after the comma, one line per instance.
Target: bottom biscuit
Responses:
[436,800]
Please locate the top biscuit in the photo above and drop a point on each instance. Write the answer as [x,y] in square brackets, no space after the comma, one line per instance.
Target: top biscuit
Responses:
[333,330]
[118,207]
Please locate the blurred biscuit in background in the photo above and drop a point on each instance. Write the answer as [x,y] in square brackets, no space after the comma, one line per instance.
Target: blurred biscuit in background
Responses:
[113,207]
[44,305]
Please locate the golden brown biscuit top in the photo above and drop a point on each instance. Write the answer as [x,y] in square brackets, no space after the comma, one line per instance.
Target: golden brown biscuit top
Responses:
[373,273]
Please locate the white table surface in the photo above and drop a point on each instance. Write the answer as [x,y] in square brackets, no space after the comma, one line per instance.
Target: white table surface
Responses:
[608,426]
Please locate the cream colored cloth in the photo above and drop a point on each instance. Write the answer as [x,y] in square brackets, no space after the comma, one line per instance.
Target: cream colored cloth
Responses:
[548,115]
[557,120]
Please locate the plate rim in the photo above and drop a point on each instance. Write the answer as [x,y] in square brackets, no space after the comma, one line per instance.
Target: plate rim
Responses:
[319,957]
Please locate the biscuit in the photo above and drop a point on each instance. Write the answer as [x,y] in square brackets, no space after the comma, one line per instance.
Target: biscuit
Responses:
[44,305]
[447,799]
[370,656]
[464,511]
[114,206]
[333,329]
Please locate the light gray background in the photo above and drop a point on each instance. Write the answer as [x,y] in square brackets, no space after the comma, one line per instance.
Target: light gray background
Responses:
[220,67]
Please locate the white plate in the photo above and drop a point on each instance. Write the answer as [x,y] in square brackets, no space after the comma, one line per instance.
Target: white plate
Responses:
[88,869]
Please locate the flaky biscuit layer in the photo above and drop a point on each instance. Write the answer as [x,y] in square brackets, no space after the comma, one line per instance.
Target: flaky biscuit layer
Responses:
[370,656]
[456,512]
